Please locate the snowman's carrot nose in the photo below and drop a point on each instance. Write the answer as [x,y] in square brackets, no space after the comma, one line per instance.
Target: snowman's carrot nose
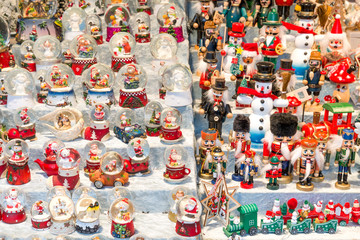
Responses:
[262,88]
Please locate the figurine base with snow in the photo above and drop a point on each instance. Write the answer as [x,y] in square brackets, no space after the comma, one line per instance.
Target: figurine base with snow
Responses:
[5,58]
[119,62]
[94,97]
[41,224]
[61,99]
[18,172]
[171,135]
[125,230]
[342,186]
[188,229]
[13,217]
[19,101]
[153,130]
[87,228]
[26,132]
[176,173]
[26,32]
[68,178]
[98,130]
[133,99]
[91,166]
[62,228]
[176,32]
[111,31]
[142,38]
[79,64]
[30,66]
[137,165]
[178,99]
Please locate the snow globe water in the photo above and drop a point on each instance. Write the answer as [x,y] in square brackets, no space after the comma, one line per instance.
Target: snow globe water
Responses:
[94,151]
[94,28]
[60,80]
[177,80]
[138,150]
[152,114]
[131,82]
[25,119]
[20,86]
[47,50]
[13,201]
[117,19]
[170,18]
[83,49]
[163,48]
[99,81]
[177,193]
[142,27]
[28,56]
[122,46]
[175,158]
[73,21]
[170,125]
[40,216]
[99,123]
[122,214]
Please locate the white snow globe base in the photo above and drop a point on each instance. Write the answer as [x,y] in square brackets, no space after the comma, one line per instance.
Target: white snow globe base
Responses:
[63,227]
[40,65]
[87,227]
[178,99]
[61,99]
[20,101]
[94,97]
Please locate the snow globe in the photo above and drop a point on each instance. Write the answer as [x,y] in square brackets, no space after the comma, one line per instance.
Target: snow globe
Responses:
[19,84]
[117,19]
[170,125]
[5,56]
[73,21]
[163,48]
[94,151]
[3,92]
[99,123]
[94,28]
[99,80]
[175,159]
[87,210]
[138,150]
[131,81]
[3,163]
[142,23]
[188,211]
[47,50]
[68,160]
[122,214]
[40,216]
[92,6]
[177,80]
[60,80]
[126,128]
[13,201]
[111,172]
[119,192]
[41,86]
[176,194]
[152,118]
[50,151]
[83,49]
[66,53]
[35,9]
[61,209]
[122,45]
[24,119]
[143,6]
[28,56]
[17,153]
[170,18]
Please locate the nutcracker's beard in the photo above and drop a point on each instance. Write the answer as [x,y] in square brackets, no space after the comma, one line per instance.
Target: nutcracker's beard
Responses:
[246,173]
[285,151]
[347,154]
[307,172]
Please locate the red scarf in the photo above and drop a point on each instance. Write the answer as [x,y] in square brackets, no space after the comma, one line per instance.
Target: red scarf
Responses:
[243,90]
[299,29]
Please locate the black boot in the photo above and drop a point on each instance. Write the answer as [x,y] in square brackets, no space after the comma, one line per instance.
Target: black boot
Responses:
[320,174]
[308,181]
[345,179]
[339,178]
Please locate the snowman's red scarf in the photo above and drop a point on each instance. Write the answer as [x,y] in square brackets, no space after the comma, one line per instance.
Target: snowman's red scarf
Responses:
[244,90]
[296,28]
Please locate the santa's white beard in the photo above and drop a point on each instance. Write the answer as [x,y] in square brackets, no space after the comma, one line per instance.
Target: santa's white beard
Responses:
[250,68]
[285,150]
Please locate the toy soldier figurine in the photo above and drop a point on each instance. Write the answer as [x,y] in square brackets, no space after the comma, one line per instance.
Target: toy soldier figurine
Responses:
[248,168]
[217,163]
[273,173]
[207,141]
[314,77]
[239,140]
[208,69]
[345,158]
[280,141]
[307,161]
[262,8]
[211,40]
[216,108]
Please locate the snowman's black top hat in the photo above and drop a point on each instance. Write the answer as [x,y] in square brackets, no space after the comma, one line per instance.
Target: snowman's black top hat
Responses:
[265,72]
[307,11]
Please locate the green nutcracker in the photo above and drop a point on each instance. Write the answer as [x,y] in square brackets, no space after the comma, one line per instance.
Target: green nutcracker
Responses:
[273,173]
[345,158]
[261,11]
[217,163]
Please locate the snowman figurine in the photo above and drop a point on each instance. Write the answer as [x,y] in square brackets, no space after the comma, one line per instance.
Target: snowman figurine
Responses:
[304,40]
[262,102]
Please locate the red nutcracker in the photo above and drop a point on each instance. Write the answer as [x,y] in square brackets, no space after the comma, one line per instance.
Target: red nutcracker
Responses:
[18,156]
[14,211]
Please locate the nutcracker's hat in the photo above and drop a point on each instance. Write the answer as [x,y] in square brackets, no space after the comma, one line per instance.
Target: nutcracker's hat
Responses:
[309,143]
[348,134]
[274,160]
[216,151]
[219,84]
[210,57]
[307,10]
[209,24]
[265,72]
[283,124]
[272,18]
[321,135]
[241,123]
[286,66]
[209,134]
[315,55]
[237,30]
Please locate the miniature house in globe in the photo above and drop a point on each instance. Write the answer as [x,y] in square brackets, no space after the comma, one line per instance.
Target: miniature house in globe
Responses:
[83,49]
[152,113]
[117,19]
[170,18]
[163,48]
[122,46]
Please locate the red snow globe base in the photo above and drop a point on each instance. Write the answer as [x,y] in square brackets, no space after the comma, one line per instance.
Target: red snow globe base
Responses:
[14,217]
[31,67]
[79,65]
[125,230]
[153,131]
[119,62]
[41,225]
[97,131]
[18,173]
[5,58]
[188,229]
[91,166]
[133,99]
[132,167]
[99,39]
[178,172]
[3,168]
[171,134]
[67,178]
[142,38]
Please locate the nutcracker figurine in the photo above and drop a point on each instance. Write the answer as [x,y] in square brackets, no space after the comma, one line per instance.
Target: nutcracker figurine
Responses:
[345,158]
[249,167]
[271,36]
[234,11]
[216,108]
[285,78]
[260,14]
[207,141]
[280,141]
[284,8]
[307,161]
[273,173]
[211,40]
[216,162]
[239,140]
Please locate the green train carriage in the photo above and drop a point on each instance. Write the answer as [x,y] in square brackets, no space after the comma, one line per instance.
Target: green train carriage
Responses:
[247,224]
[302,227]
[327,227]
[273,227]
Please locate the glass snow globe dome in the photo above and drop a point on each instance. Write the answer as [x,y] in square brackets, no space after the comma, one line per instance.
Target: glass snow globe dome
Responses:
[163,46]
[68,158]
[111,163]
[170,118]
[188,208]
[100,112]
[27,50]
[170,15]
[93,25]
[60,78]
[122,44]
[57,191]
[83,46]
[117,15]
[19,82]
[119,192]
[47,48]
[95,148]
[177,78]
[131,76]
[4,34]
[122,211]
[152,113]
[142,23]
[37,9]
[24,116]
[138,142]
[61,206]
[175,156]
[40,211]
[125,118]
[99,77]
[73,22]
[64,119]
[85,200]
[13,192]
[51,148]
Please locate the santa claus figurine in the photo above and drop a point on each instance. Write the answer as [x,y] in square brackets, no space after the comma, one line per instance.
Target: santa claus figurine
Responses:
[330,210]
[268,217]
[14,211]
[188,217]
[17,152]
[174,157]
[346,209]
[139,151]
[355,211]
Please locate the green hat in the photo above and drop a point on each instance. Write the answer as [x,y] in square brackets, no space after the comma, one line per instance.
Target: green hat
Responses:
[273,18]
[274,160]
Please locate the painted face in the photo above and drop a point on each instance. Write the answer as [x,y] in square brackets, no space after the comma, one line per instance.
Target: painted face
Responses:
[348,143]
[208,143]
[240,135]
[235,2]
[248,60]
[314,63]
[218,95]
[308,153]
[205,6]
[210,31]
[284,139]
[322,146]
[264,88]
[336,44]
[272,31]
[291,110]
[265,3]
[307,24]
[235,40]
[218,158]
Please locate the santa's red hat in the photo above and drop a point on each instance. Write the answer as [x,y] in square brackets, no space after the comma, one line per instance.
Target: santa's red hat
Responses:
[347,205]
[330,204]
[336,29]
[356,203]
[269,214]
[171,9]
[278,213]
[192,203]
[251,49]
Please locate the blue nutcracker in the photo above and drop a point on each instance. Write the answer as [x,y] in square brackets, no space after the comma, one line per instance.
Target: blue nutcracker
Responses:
[234,11]
[249,168]
[345,158]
